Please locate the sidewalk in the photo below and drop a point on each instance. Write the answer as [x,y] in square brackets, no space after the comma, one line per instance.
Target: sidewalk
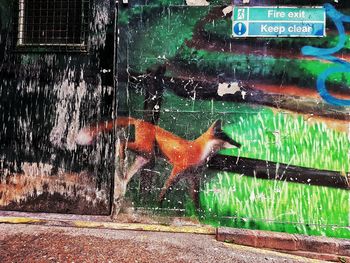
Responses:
[37,243]
[179,235]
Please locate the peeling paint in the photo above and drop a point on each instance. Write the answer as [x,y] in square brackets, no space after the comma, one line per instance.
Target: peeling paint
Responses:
[227,10]
[228,88]
[102,14]
[197,2]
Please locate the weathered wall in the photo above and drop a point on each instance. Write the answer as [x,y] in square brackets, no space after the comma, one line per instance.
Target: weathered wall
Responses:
[180,69]
[45,98]
[180,76]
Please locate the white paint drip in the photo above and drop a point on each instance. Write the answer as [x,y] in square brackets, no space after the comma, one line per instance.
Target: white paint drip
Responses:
[73,127]
[69,98]
[99,25]
[64,94]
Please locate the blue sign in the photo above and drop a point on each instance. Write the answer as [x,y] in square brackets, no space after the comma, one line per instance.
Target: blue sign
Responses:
[240,29]
[279,22]
[286,29]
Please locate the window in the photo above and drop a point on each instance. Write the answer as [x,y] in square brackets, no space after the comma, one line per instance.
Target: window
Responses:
[58,24]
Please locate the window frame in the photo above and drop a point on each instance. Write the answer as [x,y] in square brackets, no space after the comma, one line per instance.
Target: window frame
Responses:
[21,45]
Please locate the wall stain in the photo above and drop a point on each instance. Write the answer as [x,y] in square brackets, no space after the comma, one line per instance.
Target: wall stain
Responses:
[37,189]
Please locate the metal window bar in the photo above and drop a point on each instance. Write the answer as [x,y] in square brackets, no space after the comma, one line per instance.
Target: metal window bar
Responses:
[53,23]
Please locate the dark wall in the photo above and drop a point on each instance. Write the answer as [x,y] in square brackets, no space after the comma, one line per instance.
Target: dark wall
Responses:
[46,96]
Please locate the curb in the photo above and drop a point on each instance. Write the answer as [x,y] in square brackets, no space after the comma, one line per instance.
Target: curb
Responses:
[322,248]
[204,230]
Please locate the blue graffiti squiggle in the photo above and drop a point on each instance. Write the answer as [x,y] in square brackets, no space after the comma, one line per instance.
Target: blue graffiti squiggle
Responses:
[340,66]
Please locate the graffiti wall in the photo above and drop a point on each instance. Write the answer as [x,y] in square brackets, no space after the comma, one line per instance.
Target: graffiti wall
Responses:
[53,80]
[161,109]
[248,132]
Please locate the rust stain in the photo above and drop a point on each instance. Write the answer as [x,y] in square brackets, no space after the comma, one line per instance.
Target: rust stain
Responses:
[36,189]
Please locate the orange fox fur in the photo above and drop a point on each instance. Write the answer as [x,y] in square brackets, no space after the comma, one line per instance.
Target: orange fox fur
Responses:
[183,155]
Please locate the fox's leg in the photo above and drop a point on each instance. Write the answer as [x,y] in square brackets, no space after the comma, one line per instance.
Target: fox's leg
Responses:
[139,162]
[172,179]
[122,151]
[121,183]
[194,190]
[121,156]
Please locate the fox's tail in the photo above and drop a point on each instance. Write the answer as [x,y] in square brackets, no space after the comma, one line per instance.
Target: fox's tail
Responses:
[87,135]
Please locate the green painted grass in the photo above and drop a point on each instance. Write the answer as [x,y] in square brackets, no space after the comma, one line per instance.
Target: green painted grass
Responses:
[238,201]
[234,200]
[290,139]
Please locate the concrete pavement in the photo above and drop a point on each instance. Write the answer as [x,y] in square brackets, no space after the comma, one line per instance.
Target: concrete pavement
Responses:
[37,243]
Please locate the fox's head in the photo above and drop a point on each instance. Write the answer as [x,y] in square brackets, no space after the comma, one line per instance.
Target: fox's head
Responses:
[214,140]
[223,140]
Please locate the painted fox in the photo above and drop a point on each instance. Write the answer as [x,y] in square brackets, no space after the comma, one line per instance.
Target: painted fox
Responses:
[184,156]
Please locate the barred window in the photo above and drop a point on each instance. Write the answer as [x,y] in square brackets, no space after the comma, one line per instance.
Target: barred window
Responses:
[60,23]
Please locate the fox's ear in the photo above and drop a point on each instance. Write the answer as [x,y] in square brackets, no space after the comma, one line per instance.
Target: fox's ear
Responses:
[218,133]
[217,126]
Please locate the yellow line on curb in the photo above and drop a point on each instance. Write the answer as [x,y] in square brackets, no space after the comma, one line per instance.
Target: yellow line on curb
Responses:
[19,220]
[206,230]
[145,227]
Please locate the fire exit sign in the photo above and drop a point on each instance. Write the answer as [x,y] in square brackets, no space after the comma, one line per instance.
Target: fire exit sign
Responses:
[278,21]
